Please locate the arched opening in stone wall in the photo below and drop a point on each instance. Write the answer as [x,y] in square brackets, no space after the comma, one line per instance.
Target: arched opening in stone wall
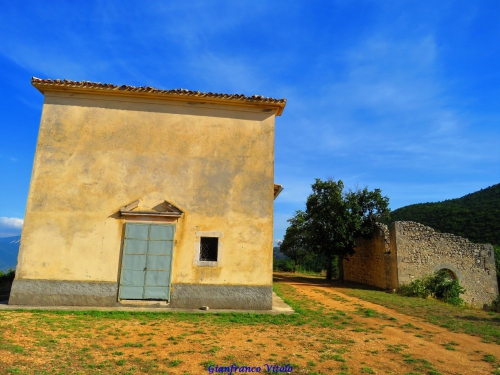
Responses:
[452,272]
[450,275]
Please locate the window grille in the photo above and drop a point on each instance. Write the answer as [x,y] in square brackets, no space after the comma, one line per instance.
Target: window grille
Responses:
[208,249]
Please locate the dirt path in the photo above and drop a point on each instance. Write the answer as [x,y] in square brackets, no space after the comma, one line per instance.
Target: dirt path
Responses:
[338,334]
[450,353]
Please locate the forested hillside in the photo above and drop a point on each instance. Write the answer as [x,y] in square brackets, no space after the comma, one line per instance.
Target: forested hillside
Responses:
[475,216]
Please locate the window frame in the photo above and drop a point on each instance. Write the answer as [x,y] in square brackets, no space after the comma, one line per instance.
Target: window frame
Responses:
[197,245]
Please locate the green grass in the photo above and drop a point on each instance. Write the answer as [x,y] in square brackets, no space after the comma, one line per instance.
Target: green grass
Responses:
[396,348]
[134,344]
[489,358]
[174,363]
[367,370]
[12,348]
[451,345]
[410,326]
[367,313]
[420,365]
[332,356]
[143,338]
[457,319]
[333,296]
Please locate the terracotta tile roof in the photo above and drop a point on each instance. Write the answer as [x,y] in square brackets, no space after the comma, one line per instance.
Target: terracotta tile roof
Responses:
[43,84]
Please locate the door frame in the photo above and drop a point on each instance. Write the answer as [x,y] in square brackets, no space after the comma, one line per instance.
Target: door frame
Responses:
[122,256]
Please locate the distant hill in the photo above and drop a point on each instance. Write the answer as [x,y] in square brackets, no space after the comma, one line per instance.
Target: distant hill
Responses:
[277,254]
[475,216]
[9,247]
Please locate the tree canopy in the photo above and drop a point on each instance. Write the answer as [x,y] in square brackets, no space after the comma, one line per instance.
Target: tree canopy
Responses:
[333,219]
[294,244]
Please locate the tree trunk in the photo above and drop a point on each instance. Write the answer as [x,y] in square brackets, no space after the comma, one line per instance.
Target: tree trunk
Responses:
[341,268]
[329,268]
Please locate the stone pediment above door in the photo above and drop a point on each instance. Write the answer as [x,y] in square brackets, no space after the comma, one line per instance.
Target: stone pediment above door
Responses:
[162,209]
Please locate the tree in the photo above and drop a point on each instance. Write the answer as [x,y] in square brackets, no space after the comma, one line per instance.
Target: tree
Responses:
[294,242]
[334,218]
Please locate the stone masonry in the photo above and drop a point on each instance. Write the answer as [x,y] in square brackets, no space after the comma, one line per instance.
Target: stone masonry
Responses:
[373,263]
[411,251]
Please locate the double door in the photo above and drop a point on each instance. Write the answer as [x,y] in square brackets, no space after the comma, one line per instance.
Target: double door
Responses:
[147,261]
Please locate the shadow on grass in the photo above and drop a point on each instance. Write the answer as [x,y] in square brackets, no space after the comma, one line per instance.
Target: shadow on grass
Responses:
[307,280]
[479,319]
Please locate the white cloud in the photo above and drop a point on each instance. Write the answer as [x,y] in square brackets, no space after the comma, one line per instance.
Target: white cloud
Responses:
[11,222]
[10,226]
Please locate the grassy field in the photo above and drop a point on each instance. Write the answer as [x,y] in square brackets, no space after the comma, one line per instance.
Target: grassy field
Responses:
[457,319]
[332,333]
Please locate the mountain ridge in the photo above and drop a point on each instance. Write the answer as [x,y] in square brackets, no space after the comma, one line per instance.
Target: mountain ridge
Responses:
[475,216]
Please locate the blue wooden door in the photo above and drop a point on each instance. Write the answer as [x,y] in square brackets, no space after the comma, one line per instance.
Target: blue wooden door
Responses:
[147,261]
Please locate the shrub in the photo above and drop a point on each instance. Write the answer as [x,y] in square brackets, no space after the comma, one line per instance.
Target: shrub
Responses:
[445,288]
[440,286]
[417,288]
[284,265]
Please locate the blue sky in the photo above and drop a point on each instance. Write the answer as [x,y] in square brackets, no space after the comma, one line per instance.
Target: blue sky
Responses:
[398,95]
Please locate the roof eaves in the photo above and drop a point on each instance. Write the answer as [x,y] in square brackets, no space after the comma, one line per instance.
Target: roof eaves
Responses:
[53,84]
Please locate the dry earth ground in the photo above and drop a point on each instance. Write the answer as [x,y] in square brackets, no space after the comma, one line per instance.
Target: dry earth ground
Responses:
[334,334]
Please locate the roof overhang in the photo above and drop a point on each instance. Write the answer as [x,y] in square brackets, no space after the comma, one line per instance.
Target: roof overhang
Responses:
[191,97]
[277,190]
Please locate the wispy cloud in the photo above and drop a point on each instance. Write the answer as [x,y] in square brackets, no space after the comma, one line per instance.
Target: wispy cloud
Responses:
[10,226]
[11,222]
[391,104]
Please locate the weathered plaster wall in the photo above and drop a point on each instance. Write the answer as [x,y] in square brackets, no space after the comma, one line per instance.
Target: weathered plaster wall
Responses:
[421,251]
[97,153]
[374,261]
[412,251]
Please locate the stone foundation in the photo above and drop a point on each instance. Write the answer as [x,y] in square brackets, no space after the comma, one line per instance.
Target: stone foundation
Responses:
[63,293]
[81,293]
[244,297]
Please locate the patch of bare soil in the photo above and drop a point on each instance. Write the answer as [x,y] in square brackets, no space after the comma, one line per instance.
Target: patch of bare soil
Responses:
[365,339]
[450,353]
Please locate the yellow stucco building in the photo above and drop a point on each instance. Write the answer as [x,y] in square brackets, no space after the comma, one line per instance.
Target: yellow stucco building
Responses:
[145,194]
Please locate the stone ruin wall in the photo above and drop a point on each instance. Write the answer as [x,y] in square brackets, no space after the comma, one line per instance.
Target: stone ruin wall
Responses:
[421,251]
[373,262]
[411,251]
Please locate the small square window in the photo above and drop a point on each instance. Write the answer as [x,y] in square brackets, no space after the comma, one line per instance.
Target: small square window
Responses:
[209,249]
